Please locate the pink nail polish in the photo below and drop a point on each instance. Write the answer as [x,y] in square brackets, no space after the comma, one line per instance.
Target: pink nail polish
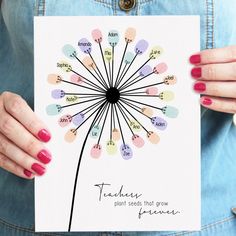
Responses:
[27,173]
[196,72]
[44,156]
[206,101]
[44,135]
[195,59]
[40,170]
[199,87]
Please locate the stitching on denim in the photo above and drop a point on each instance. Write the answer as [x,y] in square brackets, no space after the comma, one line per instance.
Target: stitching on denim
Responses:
[104,2]
[145,1]
[28,230]
[212,225]
[210,15]
[40,7]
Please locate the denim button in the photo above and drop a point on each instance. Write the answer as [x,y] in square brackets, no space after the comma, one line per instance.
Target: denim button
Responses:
[233,210]
[234,119]
[127,5]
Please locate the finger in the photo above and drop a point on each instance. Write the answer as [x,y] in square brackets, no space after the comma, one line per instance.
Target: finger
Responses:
[216,89]
[16,155]
[225,71]
[218,55]
[12,167]
[19,109]
[15,132]
[227,105]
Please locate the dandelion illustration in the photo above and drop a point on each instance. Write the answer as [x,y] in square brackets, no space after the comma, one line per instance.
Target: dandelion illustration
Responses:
[113,94]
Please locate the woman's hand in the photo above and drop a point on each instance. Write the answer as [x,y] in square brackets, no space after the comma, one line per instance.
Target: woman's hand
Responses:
[21,136]
[215,72]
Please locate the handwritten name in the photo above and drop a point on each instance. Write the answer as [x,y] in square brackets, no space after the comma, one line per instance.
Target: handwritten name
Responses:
[105,193]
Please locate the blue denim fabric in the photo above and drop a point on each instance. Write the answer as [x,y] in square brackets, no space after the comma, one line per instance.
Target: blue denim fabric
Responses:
[218,171]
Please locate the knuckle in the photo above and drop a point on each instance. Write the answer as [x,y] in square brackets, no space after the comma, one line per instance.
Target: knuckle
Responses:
[3,161]
[6,125]
[30,146]
[3,145]
[232,52]
[15,105]
[234,69]
[210,72]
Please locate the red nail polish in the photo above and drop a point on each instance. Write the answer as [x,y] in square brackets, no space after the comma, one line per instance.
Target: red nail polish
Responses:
[40,170]
[196,72]
[199,87]
[44,135]
[195,59]
[44,156]
[206,101]
[27,173]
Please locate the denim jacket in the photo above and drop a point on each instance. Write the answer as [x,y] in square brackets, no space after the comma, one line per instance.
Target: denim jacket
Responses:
[218,134]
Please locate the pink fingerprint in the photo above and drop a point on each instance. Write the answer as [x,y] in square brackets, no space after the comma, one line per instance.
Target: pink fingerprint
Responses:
[160,68]
[65,120]
[137,141]
[76,79]
[151,91]
[96,151]
[97,35]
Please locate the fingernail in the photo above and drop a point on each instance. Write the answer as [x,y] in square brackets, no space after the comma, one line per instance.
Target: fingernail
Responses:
[40,170]
[195,59]
[206,101]
[44,135]
[27,173]
[44,156]
[196,72]
[199,87]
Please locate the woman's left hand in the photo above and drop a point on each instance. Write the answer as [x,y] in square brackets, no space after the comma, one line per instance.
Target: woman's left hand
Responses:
[215,72]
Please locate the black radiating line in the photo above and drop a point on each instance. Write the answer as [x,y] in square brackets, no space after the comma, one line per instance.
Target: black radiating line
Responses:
[130,81]
[89,71]
[121,62]
[77,171]
[86,119]
[127,70]
[146,86]
[136,71]
[96,104]
[93,107]
[132,93]
[101,115]
[134,82]
[111,122]
[136,95]
[68,82]
[112,75]
[95,94]
[133,117]
[121,111]
[103,124]
[98,70]
[119,125]
[101,78]
[94,85]
[113,114]
[109,67]
[132,106]
[77,103]
[141,103]
[100,46]
[121,75]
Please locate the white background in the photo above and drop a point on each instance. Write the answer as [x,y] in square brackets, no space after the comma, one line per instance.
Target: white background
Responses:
[168,171]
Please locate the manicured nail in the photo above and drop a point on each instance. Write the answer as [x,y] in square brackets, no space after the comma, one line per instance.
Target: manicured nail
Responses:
[199,87]
[40,170]
[27,173]
[44,135]
[206,101]
[195,59]
[44,156]
[196,72]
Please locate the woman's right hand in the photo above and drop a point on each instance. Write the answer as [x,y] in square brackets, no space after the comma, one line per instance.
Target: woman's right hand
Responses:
[21,135]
